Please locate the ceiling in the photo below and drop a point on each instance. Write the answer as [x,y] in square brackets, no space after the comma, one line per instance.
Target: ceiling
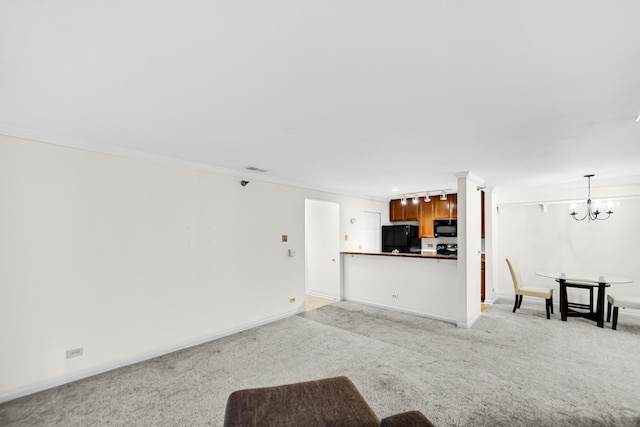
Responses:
[356,97]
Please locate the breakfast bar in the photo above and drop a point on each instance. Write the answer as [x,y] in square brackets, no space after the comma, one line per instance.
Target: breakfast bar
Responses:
[421,284]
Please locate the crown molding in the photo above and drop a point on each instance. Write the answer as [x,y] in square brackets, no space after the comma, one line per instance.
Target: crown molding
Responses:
[23,133]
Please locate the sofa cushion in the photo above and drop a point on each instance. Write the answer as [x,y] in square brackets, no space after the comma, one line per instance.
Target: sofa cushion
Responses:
[407,419]
[325,402]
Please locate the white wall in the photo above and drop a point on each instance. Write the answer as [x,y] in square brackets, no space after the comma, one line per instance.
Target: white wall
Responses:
[551,240]
[423,286]
[130,259]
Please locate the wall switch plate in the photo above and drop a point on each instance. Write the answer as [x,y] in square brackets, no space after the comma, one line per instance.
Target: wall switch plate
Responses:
[292,300]
[74,352]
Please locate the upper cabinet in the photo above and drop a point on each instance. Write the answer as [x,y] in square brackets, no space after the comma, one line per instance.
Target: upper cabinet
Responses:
[426,218]
[445,209]
[424,212]
[396,211]
[408,212]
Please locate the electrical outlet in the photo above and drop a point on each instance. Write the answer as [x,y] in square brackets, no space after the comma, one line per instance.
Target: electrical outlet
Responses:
[346,237]
[394,296]
[292,300]
[74,352]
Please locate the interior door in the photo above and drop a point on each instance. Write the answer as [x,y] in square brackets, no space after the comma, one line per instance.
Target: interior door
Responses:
[371,241]
[322,248]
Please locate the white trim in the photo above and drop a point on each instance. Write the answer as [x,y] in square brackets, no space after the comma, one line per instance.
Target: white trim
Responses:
[471,176]
[469,324]
[325,296]
[528,299]
[18,132]
[544,203]
[556,306]
[41,386]
[401,310]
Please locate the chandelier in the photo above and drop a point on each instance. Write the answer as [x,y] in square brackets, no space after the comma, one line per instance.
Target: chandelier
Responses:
[591,215]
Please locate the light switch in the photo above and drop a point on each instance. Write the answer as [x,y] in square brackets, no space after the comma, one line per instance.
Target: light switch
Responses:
[285,238]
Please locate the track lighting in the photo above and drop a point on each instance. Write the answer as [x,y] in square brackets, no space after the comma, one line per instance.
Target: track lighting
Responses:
[415,197]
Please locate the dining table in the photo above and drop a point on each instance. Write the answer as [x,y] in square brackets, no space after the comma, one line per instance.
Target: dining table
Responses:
[583,281]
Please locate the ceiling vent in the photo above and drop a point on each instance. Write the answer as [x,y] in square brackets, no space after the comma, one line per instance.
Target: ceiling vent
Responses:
[255,169]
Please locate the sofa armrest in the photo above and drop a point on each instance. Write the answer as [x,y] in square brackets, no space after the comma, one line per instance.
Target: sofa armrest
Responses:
[407,419]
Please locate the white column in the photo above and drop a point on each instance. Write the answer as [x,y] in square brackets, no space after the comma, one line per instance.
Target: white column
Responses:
[469,249]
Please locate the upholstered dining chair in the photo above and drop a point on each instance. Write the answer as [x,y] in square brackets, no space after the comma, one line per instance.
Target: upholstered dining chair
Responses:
[617,301]
[532,291]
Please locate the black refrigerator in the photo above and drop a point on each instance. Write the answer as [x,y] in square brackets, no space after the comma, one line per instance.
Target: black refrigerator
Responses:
[404,238]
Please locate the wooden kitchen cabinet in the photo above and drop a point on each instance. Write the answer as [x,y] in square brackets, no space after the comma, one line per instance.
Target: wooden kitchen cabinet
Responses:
[411,210]
[396,210]
[425,219]
[424,212]
[445,209]
[407,212]
[453,205]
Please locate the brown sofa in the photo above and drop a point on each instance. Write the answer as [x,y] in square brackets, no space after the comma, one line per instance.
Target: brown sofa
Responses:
[327,402]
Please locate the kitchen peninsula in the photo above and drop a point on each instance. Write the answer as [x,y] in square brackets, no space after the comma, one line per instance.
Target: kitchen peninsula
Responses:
[420,284]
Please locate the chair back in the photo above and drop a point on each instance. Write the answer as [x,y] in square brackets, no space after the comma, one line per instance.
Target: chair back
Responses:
[515,275]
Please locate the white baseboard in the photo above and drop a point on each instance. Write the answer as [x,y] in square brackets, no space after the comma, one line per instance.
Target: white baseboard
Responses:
[532,300]
[469,324]
[55,382]
[556,304]
[321,295]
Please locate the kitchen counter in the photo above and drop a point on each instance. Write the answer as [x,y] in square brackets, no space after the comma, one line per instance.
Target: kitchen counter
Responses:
[404,255]
[420,284]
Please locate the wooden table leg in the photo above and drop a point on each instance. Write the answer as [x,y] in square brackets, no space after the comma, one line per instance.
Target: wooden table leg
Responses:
[563,299]
[600,303]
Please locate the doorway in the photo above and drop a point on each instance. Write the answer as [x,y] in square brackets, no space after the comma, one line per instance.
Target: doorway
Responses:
[322,254]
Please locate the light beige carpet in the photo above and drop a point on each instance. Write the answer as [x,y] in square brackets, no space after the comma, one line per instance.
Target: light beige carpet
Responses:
[508,370]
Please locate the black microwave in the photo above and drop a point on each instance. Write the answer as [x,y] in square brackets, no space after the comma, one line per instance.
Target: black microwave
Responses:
[445,228]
